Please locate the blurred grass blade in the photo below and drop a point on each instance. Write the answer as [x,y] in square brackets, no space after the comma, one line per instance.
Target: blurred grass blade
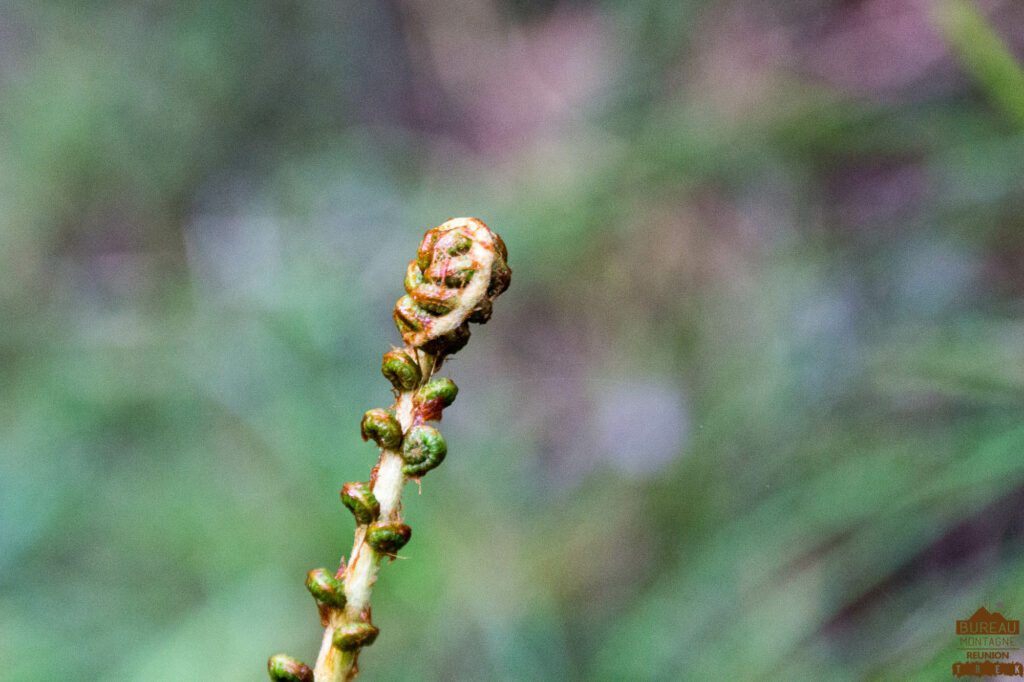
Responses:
[983,54]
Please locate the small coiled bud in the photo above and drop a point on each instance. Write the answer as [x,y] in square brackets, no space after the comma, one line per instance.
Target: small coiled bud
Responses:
[433,397]
[460,268]
[423,450]
[284,668]
[353,636]
[441,389]
[436,299]
[382,426]
[325,588]
[414,320]
[388,538]
[360,500]
[401,370]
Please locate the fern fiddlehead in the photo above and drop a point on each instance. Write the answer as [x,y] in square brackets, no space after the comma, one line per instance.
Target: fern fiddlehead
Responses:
[461,267]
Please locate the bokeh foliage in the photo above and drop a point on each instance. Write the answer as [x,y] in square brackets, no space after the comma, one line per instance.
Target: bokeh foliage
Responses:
[750,410]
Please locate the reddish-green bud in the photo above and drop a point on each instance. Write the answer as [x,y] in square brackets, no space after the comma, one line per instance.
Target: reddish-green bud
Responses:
[434,298]
[423,450]
[381,425]
[284,668]
[425,253]
[441,389]
[325,588]
[401,370]
[353,636]
[388,538]
[433,397]
[409,317]
[359,499]
[450,258]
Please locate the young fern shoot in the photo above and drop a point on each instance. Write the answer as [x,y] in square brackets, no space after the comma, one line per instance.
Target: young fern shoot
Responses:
[460,268]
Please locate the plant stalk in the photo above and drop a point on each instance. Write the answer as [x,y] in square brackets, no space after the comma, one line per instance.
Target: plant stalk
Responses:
[333,665]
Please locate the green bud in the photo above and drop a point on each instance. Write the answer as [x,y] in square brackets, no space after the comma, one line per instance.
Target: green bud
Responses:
[441,389]
[401,370]
[353,636]
[424,449]
[409,317]
[388,538]
[325,588]
[359,499]
[284,668]
[381,425]
[432,398]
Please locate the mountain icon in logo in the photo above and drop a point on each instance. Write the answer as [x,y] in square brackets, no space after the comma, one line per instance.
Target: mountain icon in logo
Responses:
[985,622]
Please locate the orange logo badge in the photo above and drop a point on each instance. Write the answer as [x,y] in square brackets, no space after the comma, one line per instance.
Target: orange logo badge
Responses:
[988,639]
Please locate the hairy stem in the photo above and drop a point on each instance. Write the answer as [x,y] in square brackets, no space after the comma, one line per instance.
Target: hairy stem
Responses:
[333,665]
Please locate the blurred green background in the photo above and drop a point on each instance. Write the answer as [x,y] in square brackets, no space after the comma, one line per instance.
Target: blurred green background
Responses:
[751,408]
